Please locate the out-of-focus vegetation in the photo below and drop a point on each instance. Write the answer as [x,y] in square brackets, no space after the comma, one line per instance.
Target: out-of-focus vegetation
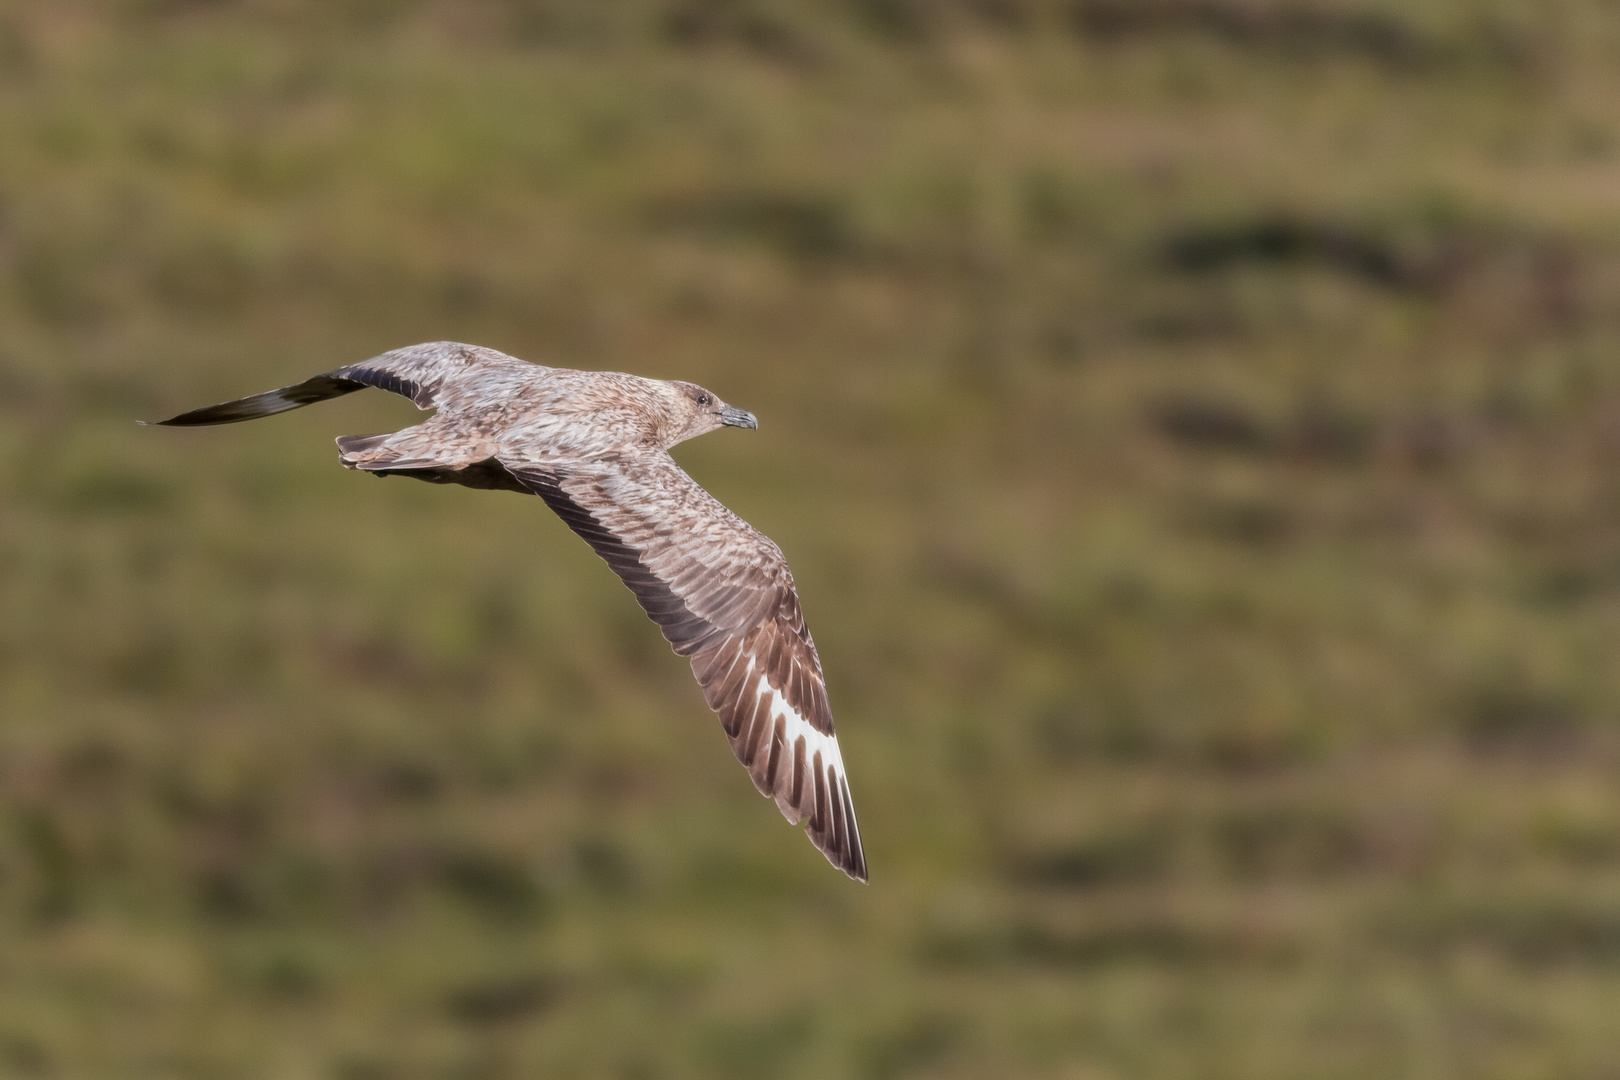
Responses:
[1194,425]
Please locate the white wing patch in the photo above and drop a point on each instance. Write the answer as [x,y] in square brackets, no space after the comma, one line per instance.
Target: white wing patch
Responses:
[799,767]
[816,745]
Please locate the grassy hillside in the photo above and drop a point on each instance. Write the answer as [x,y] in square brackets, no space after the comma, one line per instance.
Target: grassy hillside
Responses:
[1194,426]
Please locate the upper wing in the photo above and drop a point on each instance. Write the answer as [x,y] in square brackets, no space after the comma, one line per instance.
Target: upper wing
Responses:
[418,372]
[722,594]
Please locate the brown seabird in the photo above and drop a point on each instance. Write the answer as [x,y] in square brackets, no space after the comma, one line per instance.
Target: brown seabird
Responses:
[595,446]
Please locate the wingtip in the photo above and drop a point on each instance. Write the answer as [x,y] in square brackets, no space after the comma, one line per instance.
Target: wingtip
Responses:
[856,860]
[850,858]
[853,864]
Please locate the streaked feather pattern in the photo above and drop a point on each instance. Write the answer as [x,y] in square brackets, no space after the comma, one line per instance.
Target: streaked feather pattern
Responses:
[723,595]
[594,447]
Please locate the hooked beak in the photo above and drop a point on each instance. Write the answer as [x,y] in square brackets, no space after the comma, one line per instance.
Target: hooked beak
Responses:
[731,416]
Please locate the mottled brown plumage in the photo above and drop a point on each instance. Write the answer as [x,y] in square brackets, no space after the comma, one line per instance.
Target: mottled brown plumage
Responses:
[594,446]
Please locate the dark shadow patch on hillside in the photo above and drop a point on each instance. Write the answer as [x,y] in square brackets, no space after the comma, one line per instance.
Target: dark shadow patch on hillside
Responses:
[1280,841]
[1162,940]
[754,28]
[1532,281]
[503,1000]
[1182,324]
[22,1055]
[1566,583]
[495,885]
[766,30]
[1285,240]
[1315,432]
[1535,932]
[1117,858]
[264,881]
[1302,32]
[1262,523]
[803,227]
[1288,841]
[52,869]
[1506,713]
[1125,726]
[1210,424]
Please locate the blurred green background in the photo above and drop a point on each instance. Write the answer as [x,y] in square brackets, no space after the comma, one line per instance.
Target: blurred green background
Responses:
[1194,426]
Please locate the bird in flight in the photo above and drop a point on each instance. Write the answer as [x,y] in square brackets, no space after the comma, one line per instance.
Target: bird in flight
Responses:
[595,446]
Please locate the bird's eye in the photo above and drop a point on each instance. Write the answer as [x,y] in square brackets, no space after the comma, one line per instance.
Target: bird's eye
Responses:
[704,399]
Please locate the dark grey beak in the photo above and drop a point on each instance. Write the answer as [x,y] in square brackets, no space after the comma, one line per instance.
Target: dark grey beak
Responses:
[731,416]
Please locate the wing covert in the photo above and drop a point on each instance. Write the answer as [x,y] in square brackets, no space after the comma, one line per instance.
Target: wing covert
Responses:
[723,596]
[418,372]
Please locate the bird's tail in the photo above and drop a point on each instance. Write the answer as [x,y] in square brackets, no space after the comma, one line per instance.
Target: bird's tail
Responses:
[421,455]
[268,403]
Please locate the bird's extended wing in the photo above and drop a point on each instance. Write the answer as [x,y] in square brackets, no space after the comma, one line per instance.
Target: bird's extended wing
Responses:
[722,594]
[416,371]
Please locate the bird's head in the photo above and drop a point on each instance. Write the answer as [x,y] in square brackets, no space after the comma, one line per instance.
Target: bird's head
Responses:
[691,411]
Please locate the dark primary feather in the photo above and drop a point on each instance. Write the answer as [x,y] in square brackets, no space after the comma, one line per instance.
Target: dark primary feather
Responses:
[320,388]
[415,372]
